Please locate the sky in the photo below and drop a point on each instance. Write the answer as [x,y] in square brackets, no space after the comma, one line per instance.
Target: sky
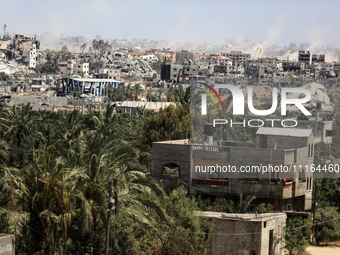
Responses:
[262,21]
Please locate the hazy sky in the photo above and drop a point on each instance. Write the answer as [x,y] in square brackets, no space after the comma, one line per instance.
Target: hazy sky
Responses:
[269,22]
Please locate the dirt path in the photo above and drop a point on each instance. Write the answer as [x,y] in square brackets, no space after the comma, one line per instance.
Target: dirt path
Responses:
[323,250]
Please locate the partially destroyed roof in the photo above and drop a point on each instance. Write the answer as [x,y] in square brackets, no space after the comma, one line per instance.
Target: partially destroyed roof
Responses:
[295,132]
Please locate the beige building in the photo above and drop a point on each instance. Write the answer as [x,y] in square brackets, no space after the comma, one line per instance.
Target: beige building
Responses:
[114,74]
[70,68]
[238,58]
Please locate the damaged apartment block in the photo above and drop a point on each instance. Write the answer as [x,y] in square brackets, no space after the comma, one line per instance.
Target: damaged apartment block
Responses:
[22,49]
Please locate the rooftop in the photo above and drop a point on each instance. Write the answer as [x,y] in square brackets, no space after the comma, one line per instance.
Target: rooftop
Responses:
[183,142]
[293,132]
[240,216]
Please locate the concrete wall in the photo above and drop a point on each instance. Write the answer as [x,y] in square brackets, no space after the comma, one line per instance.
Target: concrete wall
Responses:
[7,245]
[16,99]
[337,111]
[319,129]
[246,234]
[179,154]
[208,177]
[58,100]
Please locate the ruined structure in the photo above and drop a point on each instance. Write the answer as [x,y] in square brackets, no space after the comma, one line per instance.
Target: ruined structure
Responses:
[20,48]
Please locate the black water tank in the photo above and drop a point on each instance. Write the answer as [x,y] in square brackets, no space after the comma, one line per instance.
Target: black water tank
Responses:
[318,105]
[208,129]
[230,143]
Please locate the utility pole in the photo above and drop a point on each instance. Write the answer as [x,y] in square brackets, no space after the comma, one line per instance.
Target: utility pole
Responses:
[111,203]
[315,196]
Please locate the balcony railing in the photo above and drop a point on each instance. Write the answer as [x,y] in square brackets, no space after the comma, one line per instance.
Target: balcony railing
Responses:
[210,182]
[213,148]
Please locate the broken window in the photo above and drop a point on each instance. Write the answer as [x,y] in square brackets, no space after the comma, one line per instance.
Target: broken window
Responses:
[170,171]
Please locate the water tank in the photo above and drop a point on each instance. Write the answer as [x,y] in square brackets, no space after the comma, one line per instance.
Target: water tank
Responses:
[230,143]
[209,129]
[318,105]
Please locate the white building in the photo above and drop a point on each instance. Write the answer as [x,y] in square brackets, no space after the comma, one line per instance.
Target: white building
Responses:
[33,57]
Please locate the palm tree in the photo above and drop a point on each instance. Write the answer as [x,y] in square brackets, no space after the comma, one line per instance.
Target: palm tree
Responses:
[47,193]
[183,97]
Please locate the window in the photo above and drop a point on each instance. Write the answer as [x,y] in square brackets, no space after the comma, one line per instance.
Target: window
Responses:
[329,133]
[302,175]
[252,208]
[307,183]
[170,171]
[265,224]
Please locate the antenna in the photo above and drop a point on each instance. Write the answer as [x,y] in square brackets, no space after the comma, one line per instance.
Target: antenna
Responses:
[4,28]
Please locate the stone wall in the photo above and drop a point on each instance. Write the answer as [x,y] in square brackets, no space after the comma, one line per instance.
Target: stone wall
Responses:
[7,245]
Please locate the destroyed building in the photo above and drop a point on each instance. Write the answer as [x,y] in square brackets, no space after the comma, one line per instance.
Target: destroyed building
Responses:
[185,55]
[304,57]
[22,49]
[177,73]
[238,58]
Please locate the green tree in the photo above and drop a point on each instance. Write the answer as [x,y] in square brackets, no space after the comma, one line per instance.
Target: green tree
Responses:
[227,205]
[171,123]
[296,235]
[4,76]
[184,233]
[327,227]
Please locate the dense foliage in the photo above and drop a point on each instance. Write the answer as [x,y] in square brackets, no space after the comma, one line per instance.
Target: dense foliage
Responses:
[297,235]
[55,173]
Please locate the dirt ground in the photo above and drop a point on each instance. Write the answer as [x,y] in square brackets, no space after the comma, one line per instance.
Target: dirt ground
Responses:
[324,250]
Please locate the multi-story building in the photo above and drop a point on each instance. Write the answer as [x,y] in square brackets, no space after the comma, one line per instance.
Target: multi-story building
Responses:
[21,48]
[71,67]
[238,58]
[304,56]
[181,162]
[318,58]
[33,57]
[114,74]
[177,73]
[289,66]
[184,55]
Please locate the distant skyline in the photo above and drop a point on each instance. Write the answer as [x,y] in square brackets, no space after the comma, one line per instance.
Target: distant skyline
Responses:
[266,22]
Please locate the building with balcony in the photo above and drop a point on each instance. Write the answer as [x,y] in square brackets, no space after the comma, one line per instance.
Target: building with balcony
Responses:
[275,169]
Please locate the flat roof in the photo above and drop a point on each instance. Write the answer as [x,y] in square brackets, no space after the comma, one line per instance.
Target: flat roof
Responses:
[294,132]
[147,105]
[93,80]
[183,141]
[240,216]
